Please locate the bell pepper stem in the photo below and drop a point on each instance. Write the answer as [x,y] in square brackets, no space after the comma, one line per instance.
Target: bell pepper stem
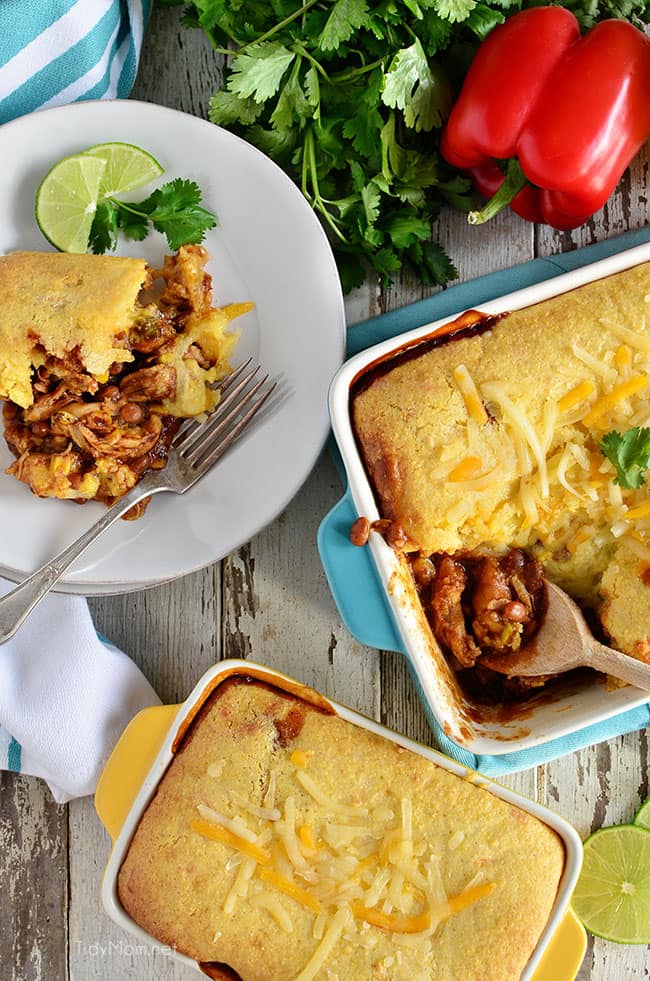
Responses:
[515,181]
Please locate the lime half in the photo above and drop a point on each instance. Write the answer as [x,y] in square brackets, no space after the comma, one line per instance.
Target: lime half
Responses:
[67,199]
[127,167]
[612,897]
[642,816]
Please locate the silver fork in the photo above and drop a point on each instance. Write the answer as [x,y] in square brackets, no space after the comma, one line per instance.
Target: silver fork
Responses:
[196,447]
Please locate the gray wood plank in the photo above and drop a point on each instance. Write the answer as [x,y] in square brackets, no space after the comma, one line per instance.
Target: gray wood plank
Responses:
[278,608]
[270,602]
[178,68]
[33,881]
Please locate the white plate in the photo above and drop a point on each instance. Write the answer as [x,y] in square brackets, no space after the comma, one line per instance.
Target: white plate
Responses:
[268,247]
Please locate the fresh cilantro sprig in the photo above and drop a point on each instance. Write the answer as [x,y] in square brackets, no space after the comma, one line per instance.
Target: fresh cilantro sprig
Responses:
[630,454]
[349,97]
[173,209]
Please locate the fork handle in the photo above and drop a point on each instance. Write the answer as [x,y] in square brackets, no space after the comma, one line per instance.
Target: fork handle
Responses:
[16,606]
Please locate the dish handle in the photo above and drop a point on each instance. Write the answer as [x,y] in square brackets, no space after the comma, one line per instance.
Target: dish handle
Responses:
[564,952]
[129,763]
[354,581]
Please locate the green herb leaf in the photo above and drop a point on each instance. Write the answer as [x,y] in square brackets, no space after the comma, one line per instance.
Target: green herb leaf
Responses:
[455,11]
[103,231]
[484,19]
[346,17]
[259,72]
[227,108]
[412,87]
[134,226]
[173,209]
[630,454]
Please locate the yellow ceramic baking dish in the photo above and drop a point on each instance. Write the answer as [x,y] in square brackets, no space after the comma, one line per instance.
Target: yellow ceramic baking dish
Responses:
[147,746]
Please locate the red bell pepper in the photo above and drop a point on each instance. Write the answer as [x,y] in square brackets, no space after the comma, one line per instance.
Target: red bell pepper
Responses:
[563,115]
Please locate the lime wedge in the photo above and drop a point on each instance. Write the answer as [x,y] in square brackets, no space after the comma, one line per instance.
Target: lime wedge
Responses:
[66,201]
[642,816]
[612,897]
[127,167]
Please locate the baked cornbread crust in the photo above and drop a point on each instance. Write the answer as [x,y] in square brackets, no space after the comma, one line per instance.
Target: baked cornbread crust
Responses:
[490,440]
[61,302]
[393,836]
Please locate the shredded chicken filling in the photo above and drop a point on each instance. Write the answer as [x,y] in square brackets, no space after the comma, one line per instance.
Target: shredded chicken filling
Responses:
[481,605]
[84,438]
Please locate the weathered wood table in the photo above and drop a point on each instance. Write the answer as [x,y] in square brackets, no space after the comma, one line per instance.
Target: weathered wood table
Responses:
[270,601]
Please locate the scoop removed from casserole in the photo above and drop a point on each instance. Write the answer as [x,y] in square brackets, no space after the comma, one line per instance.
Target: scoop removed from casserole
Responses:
[102,356]
[484,447]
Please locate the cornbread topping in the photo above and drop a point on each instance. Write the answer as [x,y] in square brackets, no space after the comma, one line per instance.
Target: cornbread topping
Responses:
[316,849]
[488,439]
[101,356]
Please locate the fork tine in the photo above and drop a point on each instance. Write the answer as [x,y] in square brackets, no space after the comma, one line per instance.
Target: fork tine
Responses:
[234,375]
[194,448]
[192,423]
[222,386]
[214,448]
[188,436]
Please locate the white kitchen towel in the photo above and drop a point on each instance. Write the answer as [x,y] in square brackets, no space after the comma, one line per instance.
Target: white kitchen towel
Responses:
[57,51]
[65,696]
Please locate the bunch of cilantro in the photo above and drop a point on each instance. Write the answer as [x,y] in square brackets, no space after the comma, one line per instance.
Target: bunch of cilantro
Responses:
[349,97]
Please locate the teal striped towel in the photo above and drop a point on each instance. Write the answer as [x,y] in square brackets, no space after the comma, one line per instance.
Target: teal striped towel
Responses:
[57,51]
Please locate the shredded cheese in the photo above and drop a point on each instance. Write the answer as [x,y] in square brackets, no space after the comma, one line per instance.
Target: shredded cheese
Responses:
[620,392]
[286,830]
[407,818]
[637,340]
[307,840]
[518,420]
[576,395]
[604,371]
[269,796]
[289,888]
[240,886]
[623,358]
[271,903]
[300,757]
[467,468]
[581,536]
[236,826]
[336,927]
[218,833]
[567,460]
[470,896]
[638,512]
[469,391]
[636,547]
[376,889]
[264,813]
[391,922]
[312,788]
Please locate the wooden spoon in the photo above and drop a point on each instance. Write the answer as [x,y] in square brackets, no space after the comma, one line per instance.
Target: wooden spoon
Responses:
[564,642]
